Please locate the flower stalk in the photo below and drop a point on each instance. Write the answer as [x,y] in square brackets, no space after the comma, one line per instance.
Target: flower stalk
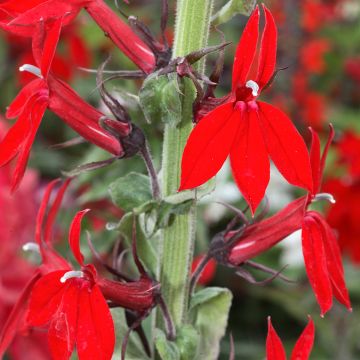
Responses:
[191,33]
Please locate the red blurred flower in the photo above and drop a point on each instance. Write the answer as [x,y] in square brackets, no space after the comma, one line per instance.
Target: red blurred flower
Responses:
[312,55]
[275,349]
[352,68]
[247,129]
[349,149]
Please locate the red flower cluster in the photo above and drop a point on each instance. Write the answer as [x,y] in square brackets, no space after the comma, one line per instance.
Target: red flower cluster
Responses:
[248,130]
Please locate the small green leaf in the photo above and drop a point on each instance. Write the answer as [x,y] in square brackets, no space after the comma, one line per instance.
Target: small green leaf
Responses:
[166,349]
[145,248]
[160,98]
[209,311]
[187,340]
[134,350]
[130,191]
[232,8]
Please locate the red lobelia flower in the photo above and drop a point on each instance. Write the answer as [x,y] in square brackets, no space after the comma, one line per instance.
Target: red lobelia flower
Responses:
[319,244]
[48,92]
[248,130]
[22,19]
[275,349]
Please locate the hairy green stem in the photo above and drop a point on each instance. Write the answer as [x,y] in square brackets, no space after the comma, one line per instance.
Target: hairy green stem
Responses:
[191,33]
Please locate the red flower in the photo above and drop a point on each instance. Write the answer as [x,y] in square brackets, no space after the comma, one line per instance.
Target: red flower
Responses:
[47,91]
[247,129]
[349,148]
[275,349]
[74,307]
[24,16]
[320,248]
[312,55]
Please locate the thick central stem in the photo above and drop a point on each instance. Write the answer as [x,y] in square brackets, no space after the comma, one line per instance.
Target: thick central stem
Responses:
[191,33]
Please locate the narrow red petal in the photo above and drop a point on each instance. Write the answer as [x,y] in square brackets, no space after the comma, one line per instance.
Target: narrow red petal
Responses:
[95,332]
[74,236]
[63,325]
[274,347]
[42,210]
[315,161]
[334,263]
[305,343]
[249,160]
[268,47]
[49,47]
[315,263]
[245,51]
[15,320]
[208,146]
[263,235]
[15,137]
[285,145]
[37,110]
[326,149]
[54,210]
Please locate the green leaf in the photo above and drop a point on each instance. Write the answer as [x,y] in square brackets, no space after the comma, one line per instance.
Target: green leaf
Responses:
[145,248]
[160,98]
[134,350]
[166,349]
[187,340]
[130,191]
[209,311]
[232,8]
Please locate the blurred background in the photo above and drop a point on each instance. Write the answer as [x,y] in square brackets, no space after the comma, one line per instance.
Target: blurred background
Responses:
[319,54]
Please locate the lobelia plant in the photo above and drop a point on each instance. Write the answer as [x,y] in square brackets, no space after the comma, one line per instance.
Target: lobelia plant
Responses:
[82,308]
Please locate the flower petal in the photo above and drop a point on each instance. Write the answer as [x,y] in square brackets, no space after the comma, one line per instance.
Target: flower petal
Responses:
[37,110]
[285,145]
[46,298]
[17,105]
[274,347]
[95,331]
[245,51]
[63,325]
[249,160]
[315,161]
[49,46]
[334,263]
[268,46]
[54,210]
[208,146]
[305,343]
[315,263]
[74,236]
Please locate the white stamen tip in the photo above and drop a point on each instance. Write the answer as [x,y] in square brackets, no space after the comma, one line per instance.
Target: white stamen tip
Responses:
[31,246]
[31,69]
[71,274]
[251,84]
[325,196]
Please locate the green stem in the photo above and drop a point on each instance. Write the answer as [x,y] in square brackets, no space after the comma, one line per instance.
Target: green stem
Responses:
[191,33]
